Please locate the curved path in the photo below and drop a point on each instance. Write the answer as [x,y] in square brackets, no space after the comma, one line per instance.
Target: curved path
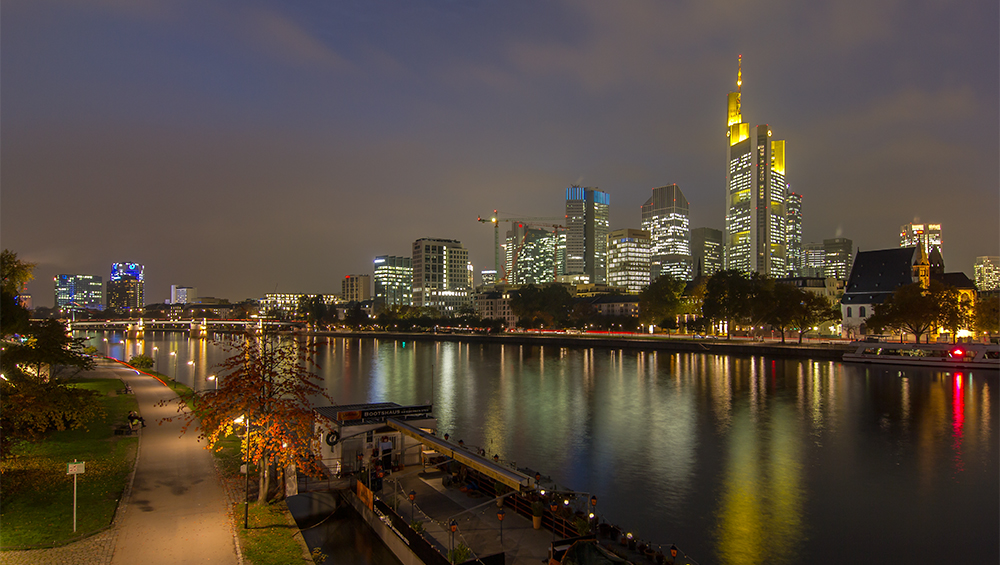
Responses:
[176,511]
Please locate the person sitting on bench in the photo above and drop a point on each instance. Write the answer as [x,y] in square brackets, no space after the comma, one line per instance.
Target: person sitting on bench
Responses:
[134,419]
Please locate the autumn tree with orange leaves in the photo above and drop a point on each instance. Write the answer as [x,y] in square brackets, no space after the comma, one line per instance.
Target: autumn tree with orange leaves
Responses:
[265,391]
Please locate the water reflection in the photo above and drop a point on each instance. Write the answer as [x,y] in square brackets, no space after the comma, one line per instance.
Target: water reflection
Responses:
[736,459]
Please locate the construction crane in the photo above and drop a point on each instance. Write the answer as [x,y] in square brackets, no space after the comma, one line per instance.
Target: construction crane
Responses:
[495,219]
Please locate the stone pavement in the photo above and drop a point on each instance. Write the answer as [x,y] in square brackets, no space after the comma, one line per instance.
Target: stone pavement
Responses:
[175,510]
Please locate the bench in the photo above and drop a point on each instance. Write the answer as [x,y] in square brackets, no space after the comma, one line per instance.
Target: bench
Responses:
[125,430]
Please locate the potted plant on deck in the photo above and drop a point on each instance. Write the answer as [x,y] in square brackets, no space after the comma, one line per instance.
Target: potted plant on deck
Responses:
[537,511]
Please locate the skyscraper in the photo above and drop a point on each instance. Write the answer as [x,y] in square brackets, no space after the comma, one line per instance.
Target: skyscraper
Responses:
[78,292]
[629,253]
[442,275]
[813,260]
[183,294]
[987,273]
[530,255]
[755,233]
[706,251]
[839,253]
[393,281]
[927,236]
[587,233]
[793,229]
[665,216]
[125,288]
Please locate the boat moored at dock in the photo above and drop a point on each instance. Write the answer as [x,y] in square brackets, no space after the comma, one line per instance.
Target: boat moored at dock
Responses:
[956,356]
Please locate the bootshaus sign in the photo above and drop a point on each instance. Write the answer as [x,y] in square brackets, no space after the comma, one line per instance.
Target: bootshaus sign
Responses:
[393,412]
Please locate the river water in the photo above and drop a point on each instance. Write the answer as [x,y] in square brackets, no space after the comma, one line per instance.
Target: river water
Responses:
[735,459]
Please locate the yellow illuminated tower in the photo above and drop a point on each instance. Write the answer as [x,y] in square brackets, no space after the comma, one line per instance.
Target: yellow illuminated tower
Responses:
[755,238]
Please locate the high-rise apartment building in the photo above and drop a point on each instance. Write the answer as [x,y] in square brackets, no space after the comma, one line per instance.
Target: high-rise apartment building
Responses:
[587,221]
[489,277]
[530,255]
[78,292]
[927,236]
[125,288]
[756,234]
[665,215]
[839,254]
[793,230]
[987,273]
[356,288]
[706,251]
[629,254]
[442,275]
[393,281]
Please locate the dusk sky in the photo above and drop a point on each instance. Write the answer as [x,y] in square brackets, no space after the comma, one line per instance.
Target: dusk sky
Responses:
[253,147]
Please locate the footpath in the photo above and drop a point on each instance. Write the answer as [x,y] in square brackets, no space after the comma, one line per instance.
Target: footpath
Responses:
[174,511]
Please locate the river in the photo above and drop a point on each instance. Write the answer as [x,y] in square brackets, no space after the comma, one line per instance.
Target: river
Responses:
[735,459]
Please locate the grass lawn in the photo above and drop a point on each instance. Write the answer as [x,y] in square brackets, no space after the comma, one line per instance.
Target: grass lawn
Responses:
[36,509]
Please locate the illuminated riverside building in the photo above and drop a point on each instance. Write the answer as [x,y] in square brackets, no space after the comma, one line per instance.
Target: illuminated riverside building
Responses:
[587,222]
[793,230]
[78,292]
[442,275]
[838,254]
[393,281]
[813,260]
[706,251]
[927,236]
[356,288]
[665,215]
[286,304]
[183,294]
[756,234]
[629,253]
[987,273]
[530,255]
[125,288]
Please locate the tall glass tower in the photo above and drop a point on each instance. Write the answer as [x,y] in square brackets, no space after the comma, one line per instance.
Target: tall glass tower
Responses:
[756,234]
[665,215]
[587,221]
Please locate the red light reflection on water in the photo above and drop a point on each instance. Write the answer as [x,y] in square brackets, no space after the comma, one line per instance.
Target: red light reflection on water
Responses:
[958,420]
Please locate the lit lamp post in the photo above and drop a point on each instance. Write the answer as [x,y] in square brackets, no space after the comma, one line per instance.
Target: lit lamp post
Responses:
[413,496]
[246,495]
[155,357]
[212,378]
[593,510]
[453,526]
[500,514]
[173,354]
[554,506]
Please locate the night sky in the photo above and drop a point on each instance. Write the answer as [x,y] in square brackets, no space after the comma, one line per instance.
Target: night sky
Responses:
[251,147]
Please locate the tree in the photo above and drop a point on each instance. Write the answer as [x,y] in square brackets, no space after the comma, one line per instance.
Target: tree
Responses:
[987,314]
[355,316]
[268,385]
[144,362]
[535,307]
[787,302]
[726,296]
[313,309]
[954,309]
[14,272]
[660,301]
[911,309]
[813,310]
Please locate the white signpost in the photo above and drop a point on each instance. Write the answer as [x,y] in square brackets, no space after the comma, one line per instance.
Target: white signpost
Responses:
[74,469]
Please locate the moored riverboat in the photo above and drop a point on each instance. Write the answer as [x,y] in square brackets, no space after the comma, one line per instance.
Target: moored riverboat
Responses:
[946,355]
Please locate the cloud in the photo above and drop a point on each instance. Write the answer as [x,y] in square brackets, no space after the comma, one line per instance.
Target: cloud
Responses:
[281,37]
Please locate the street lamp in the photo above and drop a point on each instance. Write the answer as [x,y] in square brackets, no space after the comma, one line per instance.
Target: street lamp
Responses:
[155,357]
[593,509]
[500,514]
[246,495]
[212,378]
[413,495]
[553,506]
[453,526]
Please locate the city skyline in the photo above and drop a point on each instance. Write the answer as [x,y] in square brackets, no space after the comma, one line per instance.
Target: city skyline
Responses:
[241,149]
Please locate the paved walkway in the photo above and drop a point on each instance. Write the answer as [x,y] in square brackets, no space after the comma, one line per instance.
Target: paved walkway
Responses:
[176,511]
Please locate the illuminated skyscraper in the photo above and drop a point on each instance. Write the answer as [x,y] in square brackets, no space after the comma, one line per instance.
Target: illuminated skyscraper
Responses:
[587,233]
[987,273]
[756,233]
[125,288]
[530,255]
[629,253]
[813,260]
[793,229]
[442,275]
[839,253]
[393,281]
[706,251]
[927,236]
[79,292]
[665,216]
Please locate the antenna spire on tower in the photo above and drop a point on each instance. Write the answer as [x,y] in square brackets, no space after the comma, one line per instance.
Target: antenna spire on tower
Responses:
[739,75]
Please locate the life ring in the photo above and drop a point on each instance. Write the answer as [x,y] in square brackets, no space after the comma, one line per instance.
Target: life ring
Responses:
[332,438]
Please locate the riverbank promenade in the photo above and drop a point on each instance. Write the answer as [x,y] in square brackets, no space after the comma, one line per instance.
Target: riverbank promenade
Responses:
[174,510]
